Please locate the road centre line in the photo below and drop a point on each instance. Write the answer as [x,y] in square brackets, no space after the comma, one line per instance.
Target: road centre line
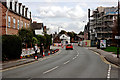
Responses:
[108,75]
[67,62]
[50,70]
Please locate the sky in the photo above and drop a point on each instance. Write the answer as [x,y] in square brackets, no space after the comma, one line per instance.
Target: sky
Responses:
[69,15]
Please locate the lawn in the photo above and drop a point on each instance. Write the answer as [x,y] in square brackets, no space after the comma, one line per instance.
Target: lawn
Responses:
[112,49]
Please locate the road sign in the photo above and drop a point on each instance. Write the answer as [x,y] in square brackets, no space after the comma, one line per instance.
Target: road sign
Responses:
[117,37]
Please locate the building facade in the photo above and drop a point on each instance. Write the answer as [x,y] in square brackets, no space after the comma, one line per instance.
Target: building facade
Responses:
[102,23]
[14,16]
[86,32]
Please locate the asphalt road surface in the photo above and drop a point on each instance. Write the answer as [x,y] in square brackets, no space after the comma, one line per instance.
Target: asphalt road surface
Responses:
[77,63]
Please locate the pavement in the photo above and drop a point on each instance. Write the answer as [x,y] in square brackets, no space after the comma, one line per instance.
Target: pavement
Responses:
[109,56]
[13,63]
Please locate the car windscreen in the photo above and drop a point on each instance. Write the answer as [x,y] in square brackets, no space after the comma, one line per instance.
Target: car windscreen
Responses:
[69,45]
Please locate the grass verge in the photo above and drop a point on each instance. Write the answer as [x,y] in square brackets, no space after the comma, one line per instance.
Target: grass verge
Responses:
[112,49]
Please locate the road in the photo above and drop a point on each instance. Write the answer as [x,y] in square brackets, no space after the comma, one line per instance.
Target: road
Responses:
[77,63]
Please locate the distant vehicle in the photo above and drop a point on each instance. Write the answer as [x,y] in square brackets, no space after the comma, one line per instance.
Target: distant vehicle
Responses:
[69,46]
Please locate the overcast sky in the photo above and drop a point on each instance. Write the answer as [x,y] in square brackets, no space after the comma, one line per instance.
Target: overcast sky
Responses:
[71,15]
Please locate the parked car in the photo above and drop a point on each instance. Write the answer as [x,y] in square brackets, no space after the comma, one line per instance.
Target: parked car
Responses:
[69,46]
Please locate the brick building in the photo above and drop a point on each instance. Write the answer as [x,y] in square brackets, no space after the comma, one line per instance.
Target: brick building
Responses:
[13,16]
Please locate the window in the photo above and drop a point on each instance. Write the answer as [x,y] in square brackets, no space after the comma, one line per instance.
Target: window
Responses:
[9,21]
[14,22]
[18,24]
[28,25]
[25,25]
[21,24]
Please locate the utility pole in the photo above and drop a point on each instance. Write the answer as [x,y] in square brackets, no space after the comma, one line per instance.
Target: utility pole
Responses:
[118,20]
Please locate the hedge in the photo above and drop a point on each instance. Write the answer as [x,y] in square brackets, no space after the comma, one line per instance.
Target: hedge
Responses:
[11,47]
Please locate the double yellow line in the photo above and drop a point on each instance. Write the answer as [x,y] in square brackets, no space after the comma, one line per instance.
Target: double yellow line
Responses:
[105,61]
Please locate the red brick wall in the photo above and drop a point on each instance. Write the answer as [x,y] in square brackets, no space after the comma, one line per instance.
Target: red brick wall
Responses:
[11,30]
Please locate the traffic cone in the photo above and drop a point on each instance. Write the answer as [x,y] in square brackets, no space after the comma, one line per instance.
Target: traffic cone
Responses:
[20,57]
[62,46]
[36,58]
[49,52]
[43,53]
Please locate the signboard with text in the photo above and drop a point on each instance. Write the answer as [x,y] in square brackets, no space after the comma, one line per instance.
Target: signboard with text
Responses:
[102,43]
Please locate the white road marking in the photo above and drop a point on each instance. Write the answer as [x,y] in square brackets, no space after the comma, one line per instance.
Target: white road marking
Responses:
[73,58]
[108,75]
[67,62]
[50,70]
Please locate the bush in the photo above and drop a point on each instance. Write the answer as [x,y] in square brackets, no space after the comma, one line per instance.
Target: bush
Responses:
[11,47]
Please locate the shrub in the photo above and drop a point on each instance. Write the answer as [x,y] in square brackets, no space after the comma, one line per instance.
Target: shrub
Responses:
[11,47]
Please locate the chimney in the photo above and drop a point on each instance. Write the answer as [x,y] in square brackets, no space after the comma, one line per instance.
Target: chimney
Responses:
[26,10]
[30,15]
[23,10]
[4,2]
[15,6]
[11,4]
[20,8]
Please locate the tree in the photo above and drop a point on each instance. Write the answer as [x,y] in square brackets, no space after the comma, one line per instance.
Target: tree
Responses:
[81,33]
[70,34]
[115,32]
[41,39]
[26,36]
[34,40]
[48,41]
[62,32]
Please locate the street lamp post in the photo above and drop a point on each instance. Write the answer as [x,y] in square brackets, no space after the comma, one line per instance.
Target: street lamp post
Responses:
[118,31]
[89,24]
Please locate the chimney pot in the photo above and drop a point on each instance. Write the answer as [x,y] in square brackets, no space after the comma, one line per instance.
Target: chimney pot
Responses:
[26,10]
